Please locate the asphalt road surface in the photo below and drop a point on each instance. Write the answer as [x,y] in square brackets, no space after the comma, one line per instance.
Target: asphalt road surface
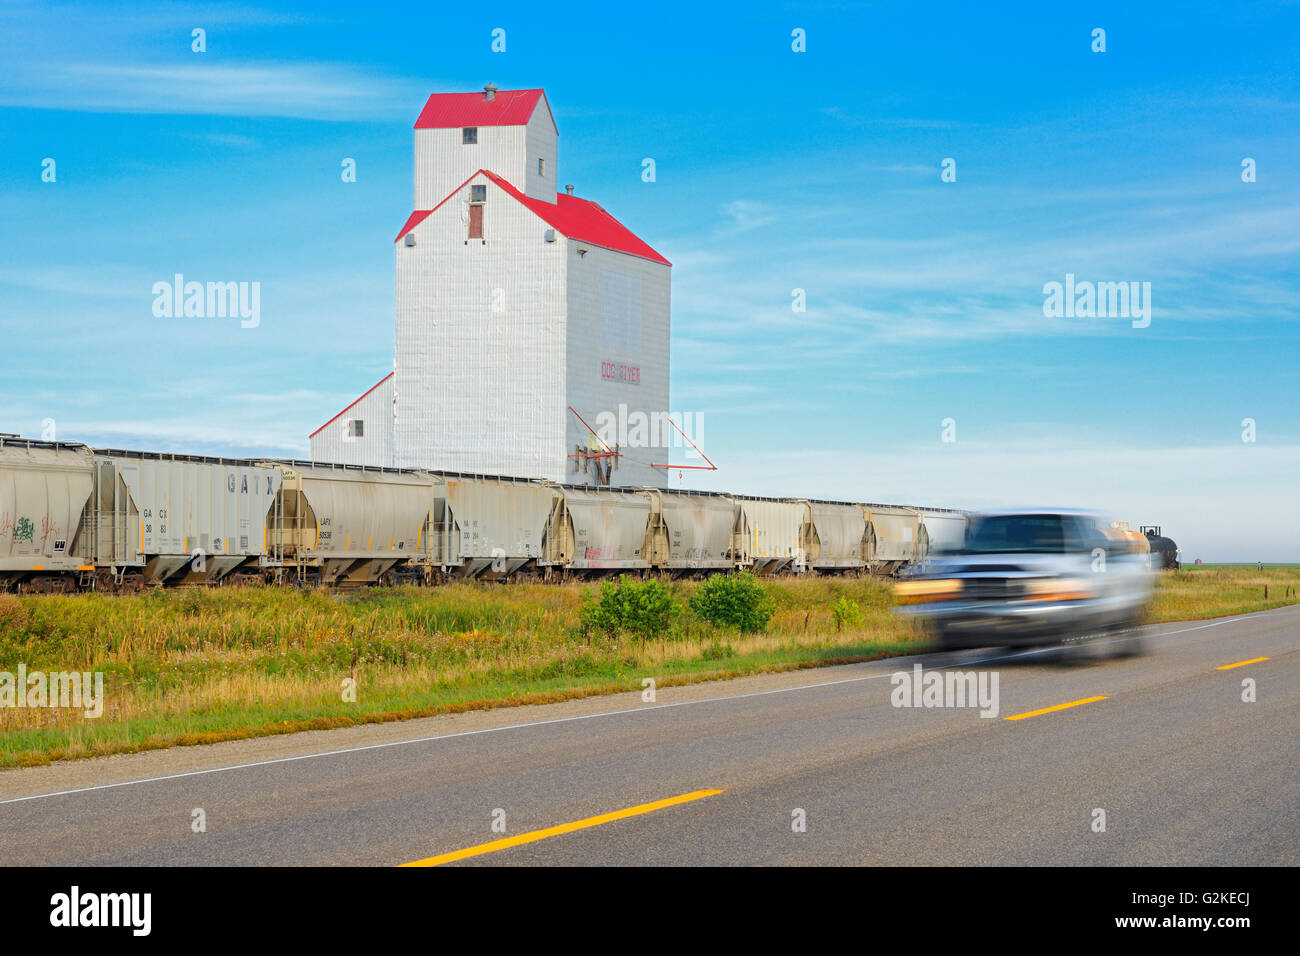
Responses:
[1185,770]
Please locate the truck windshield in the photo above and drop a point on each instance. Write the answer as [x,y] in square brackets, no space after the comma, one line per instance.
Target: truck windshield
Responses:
[1017,534]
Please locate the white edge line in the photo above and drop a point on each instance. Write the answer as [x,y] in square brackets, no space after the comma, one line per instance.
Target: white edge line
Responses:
[554,720]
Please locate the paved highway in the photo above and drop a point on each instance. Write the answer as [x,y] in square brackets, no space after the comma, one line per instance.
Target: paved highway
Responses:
[1186,771]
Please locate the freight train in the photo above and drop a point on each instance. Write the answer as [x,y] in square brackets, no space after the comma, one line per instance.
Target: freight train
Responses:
[79,518]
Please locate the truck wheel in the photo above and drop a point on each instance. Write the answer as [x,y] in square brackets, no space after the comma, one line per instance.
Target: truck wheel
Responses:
[1127,642]
[1076,651]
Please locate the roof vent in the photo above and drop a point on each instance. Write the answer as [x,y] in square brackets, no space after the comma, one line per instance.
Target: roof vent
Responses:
[489,92]
[569,189]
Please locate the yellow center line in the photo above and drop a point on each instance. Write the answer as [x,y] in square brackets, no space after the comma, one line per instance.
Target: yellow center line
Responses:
[534,835]
[1048,710]
[1253,660]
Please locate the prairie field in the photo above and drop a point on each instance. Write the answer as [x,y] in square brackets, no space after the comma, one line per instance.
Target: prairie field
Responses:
[198,666]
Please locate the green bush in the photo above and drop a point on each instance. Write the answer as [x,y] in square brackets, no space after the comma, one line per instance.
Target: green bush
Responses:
[846,612]
[738,601]
[717,651]
[642,608]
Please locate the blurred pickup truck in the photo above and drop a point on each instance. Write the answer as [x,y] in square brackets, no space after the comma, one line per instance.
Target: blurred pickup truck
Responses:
[1035,578]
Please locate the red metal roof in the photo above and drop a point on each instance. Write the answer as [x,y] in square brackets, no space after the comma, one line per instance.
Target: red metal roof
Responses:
[364,394]
[583,220]
[507,108]
[575,218]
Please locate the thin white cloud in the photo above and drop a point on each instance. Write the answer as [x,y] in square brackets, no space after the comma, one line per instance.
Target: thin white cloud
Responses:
[918,169]
[984,283]
[232,140]
[1051,465]
[744,215]
[324,91]
[890,122]
[185,436]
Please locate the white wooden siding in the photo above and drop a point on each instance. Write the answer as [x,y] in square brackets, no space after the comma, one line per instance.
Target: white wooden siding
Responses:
[540,138]
[481,390]
[374,447]
[591,277]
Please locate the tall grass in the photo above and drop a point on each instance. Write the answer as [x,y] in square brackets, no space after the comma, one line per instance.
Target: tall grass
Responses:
[1224,589]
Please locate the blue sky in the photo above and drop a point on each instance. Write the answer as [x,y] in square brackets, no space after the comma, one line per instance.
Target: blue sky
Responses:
[776,170]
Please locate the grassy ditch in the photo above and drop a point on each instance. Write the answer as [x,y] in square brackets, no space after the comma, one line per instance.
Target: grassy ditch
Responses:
[198,666]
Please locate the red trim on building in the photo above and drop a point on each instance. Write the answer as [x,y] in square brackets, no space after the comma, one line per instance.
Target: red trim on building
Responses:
[417,217]
[353,405]
[414,220]
[579,219]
